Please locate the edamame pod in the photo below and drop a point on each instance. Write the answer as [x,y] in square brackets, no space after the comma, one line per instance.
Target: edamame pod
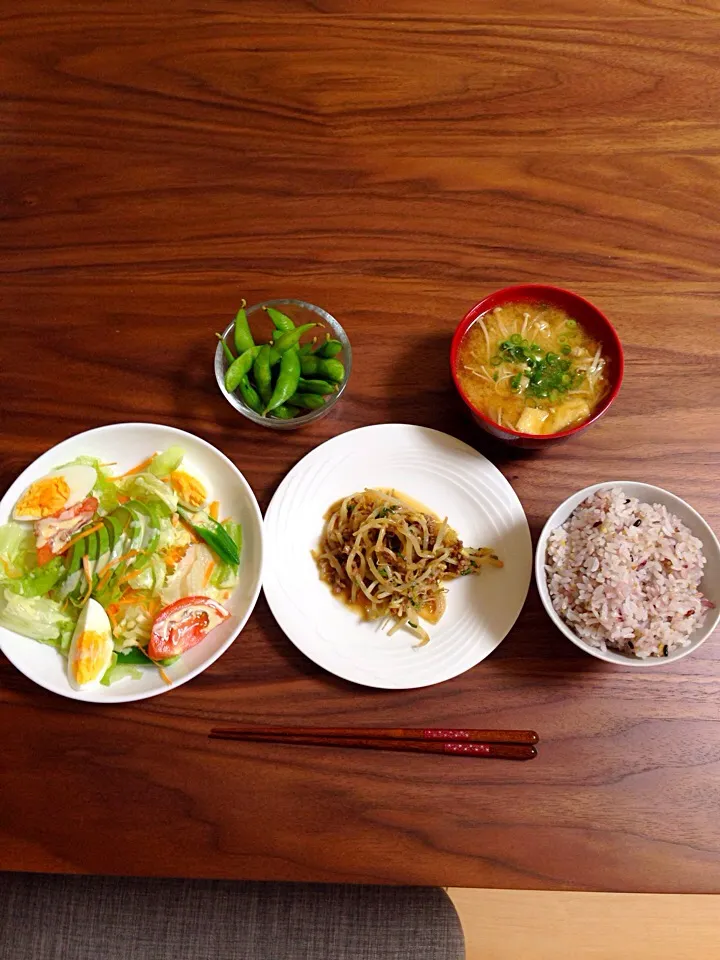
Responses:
[279,319]
[329,349]
[239,368]
[310,401]
[243,338]
[250,395]
[261,373]
[316,386]
[318,367]
[284,412]
[229,355]
[291,338]
[287,380]
[306,349]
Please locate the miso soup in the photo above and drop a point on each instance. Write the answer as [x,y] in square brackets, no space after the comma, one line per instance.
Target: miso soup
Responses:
[532,367]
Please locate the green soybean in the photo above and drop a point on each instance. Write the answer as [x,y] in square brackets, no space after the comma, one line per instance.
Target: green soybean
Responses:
[279,319]
[329,349]
[291,338]
[284,412]
[319,367]
[287,380]
[239,368]
[262,374]
[243,338]
[310,401]
[306,349]
[229,356]
[250,395]
[316,386]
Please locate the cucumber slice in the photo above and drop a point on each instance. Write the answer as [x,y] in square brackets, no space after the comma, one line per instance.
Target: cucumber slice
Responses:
[98,551]
[73,574]
[136,530]
[120,519]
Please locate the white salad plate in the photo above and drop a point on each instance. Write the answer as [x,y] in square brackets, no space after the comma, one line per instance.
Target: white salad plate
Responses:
[449,478]
[645,493]
[127,444]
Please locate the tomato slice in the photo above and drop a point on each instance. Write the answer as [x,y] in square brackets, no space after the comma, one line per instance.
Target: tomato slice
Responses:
[183,624]
[55,531]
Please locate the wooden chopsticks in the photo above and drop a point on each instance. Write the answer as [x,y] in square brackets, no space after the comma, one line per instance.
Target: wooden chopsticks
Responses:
[490,744]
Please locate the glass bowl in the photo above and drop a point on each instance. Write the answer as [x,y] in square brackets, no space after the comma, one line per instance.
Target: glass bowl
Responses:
[301,312]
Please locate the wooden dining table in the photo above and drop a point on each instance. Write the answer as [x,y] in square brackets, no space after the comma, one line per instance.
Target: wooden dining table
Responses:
[393,162]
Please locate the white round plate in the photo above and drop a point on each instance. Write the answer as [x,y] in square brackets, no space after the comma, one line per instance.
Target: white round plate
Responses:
[127,444]
[645,493]
[448,477]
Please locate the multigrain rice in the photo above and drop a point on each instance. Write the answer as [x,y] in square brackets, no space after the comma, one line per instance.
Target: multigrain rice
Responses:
[624,575]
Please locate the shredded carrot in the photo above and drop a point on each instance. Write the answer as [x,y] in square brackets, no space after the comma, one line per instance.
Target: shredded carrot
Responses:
[104,574]
[114,563]
[79,537]
[214,509]
[129,598]
[127,577]
[190,530]
[138,469]
[121,498]
[88,577]
[111,611]
[208,573]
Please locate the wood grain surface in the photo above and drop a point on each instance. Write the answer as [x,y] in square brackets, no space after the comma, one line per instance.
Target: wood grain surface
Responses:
[392,162]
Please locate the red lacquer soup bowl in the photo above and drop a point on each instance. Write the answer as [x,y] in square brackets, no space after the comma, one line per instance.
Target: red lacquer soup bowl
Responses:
[593,321]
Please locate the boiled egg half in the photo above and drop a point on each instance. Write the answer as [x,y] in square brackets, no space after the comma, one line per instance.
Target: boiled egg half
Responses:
[55,492]
[190,486]
[91,648]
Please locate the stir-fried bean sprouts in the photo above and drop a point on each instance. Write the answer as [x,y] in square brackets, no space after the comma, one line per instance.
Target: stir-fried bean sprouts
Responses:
[390,559]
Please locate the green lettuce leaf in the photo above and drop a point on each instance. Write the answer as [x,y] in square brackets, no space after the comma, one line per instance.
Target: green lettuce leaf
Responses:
[146,486]
[118,671]
[36,617]
[17,550]
[163,464]
[39,581]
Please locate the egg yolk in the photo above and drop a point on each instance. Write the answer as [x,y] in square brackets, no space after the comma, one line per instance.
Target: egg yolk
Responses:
[89,655]
[43,498]
[189,489]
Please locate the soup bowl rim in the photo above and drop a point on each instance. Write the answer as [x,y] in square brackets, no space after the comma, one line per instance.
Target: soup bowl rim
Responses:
[514,294]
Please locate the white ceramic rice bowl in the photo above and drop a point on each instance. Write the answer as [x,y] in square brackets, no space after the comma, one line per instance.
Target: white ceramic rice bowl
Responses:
[710,585]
